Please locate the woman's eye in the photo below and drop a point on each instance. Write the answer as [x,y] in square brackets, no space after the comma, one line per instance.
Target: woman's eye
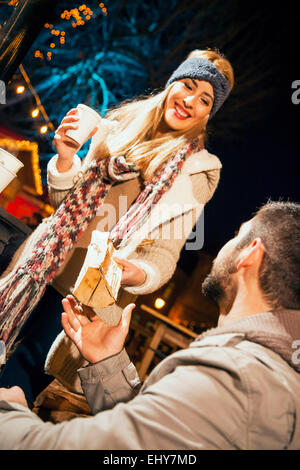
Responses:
[205,102]
[187,86]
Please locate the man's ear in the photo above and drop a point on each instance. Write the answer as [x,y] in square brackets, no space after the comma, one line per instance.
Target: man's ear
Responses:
[252,254]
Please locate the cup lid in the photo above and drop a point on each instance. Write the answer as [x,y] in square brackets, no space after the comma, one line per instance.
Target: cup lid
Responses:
[9,155]
[89,110]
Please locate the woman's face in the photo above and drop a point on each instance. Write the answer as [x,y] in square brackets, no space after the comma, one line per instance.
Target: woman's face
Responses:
[189,102]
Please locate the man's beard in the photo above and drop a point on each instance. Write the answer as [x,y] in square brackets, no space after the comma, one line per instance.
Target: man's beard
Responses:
[218,284]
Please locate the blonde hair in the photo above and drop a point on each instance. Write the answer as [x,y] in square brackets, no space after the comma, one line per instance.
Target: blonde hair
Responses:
[139,119]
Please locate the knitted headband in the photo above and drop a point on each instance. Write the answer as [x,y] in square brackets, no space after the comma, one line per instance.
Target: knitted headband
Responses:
[203,69]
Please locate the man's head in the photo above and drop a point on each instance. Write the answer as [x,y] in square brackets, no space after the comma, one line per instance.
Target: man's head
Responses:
[266,251]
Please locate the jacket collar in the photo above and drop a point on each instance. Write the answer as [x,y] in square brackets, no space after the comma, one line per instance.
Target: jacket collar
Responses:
[278,330]
[201,161]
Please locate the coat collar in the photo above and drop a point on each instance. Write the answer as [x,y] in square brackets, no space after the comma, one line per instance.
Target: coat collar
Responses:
[171,205]
[201,161]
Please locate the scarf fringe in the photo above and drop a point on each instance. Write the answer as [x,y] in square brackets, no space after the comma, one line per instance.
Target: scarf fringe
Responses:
[17,300]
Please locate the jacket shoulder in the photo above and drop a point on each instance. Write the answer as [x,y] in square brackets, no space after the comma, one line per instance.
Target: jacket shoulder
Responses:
[201,161]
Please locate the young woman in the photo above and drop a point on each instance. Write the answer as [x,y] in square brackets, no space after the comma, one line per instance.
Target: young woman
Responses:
[146,175]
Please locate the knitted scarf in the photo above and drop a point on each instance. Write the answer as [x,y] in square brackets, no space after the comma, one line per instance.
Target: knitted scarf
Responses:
[26,284]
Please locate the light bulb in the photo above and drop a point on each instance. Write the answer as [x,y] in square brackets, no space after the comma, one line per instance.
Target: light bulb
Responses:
[159,303]
[35,112]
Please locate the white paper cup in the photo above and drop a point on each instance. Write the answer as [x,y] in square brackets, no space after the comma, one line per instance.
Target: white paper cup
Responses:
[10,162]
[6,176]
[88,120]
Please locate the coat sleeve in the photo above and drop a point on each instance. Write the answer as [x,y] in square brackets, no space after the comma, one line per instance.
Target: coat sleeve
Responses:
[178,411]
[159,258]
[109,382]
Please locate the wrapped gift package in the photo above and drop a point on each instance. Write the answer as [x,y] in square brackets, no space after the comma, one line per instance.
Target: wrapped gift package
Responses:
[99,280]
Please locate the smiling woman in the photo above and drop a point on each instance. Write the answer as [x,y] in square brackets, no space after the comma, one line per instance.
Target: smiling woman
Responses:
[145,131]
[145,156]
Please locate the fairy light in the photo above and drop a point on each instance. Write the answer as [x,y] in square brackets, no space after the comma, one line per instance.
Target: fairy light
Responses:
[38,54]
[38,102]
[78,17]
[32,147]
[103,8]
[35,112]
[20,89]
[159,303]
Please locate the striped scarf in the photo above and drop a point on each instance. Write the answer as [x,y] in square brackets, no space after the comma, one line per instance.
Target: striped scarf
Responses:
[26,284]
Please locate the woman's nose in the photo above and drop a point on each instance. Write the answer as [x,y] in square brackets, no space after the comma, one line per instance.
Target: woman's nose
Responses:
[188,101]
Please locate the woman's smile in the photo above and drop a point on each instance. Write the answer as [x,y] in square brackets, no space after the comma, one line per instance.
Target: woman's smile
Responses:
[180,112]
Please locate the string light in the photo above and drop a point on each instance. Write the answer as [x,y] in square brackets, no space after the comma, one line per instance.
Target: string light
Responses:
[26,145]
[20,89]
[159,303]
[38,54]
[43,129]
[35,112]
[79,16]
[37,99]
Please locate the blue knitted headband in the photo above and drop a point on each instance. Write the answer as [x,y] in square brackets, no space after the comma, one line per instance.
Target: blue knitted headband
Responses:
[203,69]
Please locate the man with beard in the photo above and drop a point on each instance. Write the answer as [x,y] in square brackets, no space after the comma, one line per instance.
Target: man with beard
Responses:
[236,387]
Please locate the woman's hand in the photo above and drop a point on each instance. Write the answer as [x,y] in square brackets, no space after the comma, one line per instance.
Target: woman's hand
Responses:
[95,340]
[13,394]
[132,275]
[65,146]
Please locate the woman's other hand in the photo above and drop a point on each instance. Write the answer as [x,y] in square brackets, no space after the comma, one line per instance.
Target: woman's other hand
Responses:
[65,146]
[132,275]
[95,340]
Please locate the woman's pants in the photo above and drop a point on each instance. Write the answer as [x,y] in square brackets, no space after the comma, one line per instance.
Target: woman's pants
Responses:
[25,367]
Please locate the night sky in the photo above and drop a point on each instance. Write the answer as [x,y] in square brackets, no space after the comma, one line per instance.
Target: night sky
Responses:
[260,162]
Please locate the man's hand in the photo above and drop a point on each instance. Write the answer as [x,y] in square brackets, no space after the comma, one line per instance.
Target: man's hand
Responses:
[132,275]
[13,394]
[95,339]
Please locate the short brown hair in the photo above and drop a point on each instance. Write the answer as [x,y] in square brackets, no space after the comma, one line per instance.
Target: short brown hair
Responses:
[278,226]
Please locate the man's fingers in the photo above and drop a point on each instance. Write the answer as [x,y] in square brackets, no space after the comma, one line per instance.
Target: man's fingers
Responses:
[79,310]
[73,320]
[74,305]
[126,316]
[66,325]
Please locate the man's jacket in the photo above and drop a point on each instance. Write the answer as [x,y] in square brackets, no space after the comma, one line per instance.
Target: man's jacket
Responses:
[235,387]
